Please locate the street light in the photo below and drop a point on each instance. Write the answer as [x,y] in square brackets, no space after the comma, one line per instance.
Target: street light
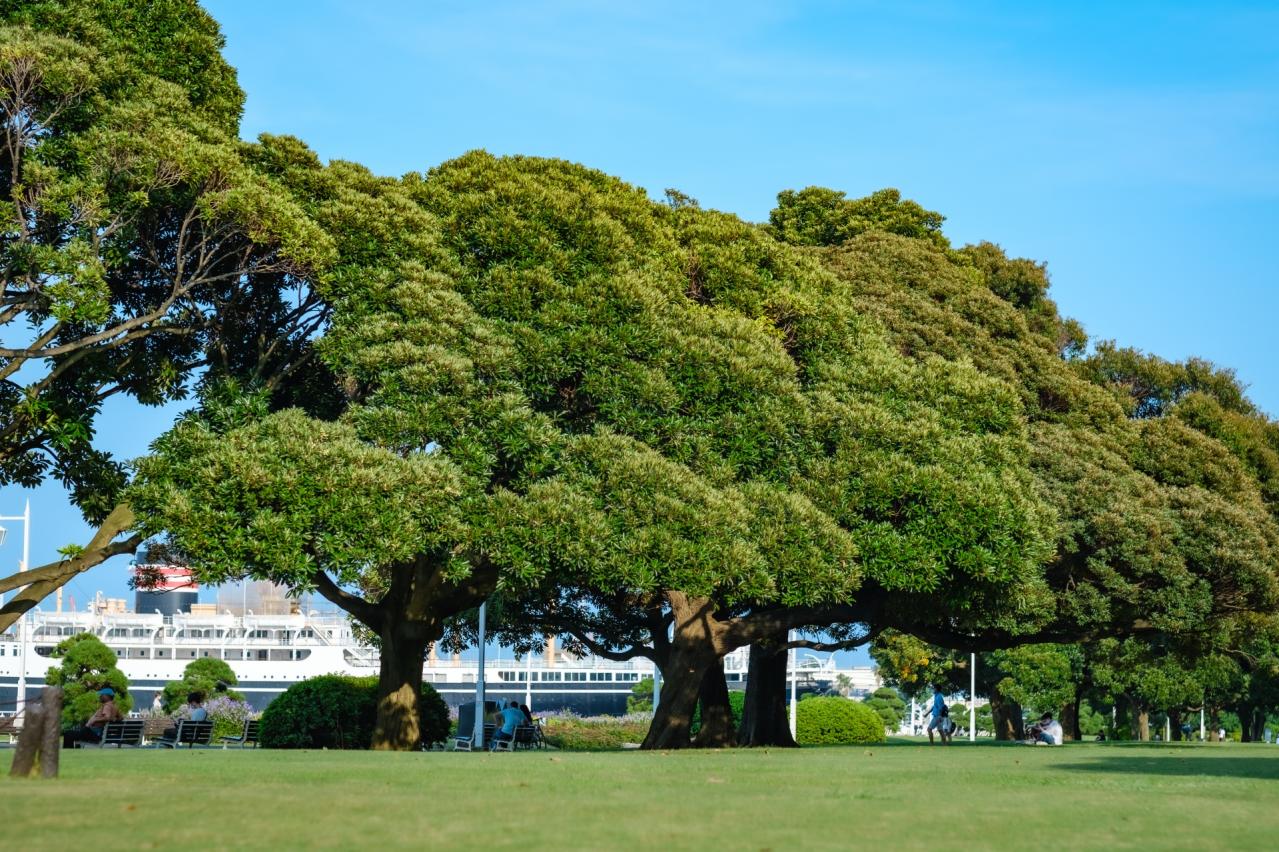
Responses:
[25,517]
[972,699]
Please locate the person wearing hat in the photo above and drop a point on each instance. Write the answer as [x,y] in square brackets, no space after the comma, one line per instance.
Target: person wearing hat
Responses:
[91,731]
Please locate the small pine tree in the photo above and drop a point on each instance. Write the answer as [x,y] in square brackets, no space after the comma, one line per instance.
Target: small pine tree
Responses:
[87,666]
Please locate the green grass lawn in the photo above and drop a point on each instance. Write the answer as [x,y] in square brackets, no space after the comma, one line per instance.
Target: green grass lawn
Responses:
[898,796]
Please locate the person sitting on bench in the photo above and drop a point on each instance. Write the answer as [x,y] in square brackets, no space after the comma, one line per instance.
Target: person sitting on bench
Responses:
[91,731]
[507,720]
[196,713]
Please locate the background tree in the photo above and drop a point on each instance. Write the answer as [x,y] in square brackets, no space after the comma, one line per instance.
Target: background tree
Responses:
[208,676]
[138,247]
[889,705]
[86,666]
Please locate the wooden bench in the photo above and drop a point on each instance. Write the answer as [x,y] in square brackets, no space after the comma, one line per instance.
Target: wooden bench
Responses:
[248,735]
[118,734]
[529,736]
[9,728]
[189,734]
[464,743]
[154,728]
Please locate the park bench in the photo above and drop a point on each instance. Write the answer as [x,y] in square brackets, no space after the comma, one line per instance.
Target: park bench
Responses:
[9,728]
[464,743]
[248,735]
[528,736]
[118,734]
[154,728]
[189,734]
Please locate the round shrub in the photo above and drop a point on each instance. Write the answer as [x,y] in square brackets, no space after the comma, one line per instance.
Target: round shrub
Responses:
[339,712]
[837,721]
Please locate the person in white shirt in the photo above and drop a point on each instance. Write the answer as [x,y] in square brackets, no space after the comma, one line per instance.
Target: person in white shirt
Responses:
[1047,731]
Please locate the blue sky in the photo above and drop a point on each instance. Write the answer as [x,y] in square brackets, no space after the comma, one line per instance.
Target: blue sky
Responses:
[1134,147]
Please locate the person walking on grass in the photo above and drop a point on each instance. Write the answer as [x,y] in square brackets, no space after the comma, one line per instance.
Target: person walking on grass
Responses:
[940,718]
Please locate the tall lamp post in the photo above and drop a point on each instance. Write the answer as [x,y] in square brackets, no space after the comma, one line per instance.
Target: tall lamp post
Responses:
[477,732]
[794,704]
[972,699]
[25,517]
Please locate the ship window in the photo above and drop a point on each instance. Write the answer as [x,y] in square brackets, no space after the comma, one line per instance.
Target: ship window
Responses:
[551,676]
[598,676]
[301,655]
[262,655]
[159,652]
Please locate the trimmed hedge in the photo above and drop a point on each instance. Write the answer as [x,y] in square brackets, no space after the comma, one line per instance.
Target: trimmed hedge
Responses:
[837,721]
[339,712]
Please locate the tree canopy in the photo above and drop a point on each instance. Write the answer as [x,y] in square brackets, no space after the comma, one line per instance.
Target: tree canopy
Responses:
[653,426]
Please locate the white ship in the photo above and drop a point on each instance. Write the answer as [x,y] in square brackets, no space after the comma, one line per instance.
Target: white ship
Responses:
[270,652]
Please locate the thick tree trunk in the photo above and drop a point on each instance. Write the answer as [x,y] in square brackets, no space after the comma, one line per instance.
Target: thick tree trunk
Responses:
[764,716]
[1140,722]
[1006,717]
[1245,713]
[674,715]
[693,652]
[717,729]
[399,690]
[1070,721]
[1214,726]
[29,741]
[1174,724]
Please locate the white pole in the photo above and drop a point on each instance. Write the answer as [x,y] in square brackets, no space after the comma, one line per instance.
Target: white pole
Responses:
[972,699]
[22,620]
[794,704]
[1167,729]
[528,681]
[477,733]
[657,686]
[1201,723]
[913,712]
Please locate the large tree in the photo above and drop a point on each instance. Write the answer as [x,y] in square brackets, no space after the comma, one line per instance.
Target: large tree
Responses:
[663,401]
[139,248]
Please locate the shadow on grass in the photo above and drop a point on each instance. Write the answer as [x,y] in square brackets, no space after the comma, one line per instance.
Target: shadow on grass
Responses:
[1261,767]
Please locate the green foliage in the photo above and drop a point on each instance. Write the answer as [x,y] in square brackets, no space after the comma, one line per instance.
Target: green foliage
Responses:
[599,733]
[816,216]
[1041,678]
[837,721]
[124,149]
[339,712]
[207,675]
[889,705]
[641,698]
[736,701]
[86,666]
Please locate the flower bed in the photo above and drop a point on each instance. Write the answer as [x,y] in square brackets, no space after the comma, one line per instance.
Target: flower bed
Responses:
[594,733]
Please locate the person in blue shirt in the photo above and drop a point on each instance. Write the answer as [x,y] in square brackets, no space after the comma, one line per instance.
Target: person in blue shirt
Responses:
[939,720]
[507,719]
